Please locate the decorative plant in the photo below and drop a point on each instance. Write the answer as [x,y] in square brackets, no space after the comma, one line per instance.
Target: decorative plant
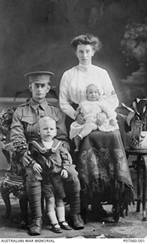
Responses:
[136,121]
[137,111]
[134,42]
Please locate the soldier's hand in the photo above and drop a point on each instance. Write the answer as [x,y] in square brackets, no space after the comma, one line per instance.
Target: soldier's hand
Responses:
[26,159]
[64,173]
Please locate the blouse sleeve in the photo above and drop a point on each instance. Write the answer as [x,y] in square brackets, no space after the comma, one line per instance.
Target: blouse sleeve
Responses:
[109,91]
[64,97]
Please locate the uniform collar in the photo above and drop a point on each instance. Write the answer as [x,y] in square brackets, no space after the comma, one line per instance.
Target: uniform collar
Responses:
[35,105]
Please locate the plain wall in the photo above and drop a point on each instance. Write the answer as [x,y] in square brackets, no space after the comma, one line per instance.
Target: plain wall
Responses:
[36,35]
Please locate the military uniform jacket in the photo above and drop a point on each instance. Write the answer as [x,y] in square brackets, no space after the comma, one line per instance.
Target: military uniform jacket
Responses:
[24,122]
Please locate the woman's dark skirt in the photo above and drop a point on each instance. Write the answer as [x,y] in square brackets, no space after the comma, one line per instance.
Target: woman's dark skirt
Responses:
[103,169]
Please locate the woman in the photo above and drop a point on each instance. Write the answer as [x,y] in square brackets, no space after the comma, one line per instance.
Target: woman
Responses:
[102,163]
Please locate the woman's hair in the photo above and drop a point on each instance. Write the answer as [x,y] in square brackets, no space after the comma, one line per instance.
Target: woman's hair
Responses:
[87,39]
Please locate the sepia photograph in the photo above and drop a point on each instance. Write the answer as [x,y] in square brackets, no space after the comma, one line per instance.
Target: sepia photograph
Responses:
[73,120]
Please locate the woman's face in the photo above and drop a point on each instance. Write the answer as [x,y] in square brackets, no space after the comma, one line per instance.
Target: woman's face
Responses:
[84,54]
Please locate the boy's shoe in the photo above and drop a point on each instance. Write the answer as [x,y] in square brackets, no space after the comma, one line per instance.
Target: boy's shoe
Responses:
[56,228]
[64,225]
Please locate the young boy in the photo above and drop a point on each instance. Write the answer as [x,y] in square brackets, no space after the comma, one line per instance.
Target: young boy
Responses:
[54,163]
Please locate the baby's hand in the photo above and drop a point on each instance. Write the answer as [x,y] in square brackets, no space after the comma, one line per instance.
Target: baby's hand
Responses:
[64,173]
[112,122]
[101,118]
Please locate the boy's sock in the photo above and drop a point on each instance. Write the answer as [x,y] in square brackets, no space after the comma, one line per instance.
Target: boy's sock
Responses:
[60,213]
[52,217]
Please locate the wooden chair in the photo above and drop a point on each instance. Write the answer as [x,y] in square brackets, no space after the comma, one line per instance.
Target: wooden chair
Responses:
[14,180]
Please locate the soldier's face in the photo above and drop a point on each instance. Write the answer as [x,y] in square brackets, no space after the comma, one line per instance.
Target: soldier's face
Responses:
[39,90]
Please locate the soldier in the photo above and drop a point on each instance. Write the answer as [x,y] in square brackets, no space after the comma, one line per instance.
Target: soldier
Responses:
[24,127]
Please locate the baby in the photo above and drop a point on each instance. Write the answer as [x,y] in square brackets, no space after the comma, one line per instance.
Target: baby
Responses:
[98,114]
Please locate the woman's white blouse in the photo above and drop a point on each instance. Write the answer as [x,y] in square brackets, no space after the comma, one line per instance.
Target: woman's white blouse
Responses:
[75,81]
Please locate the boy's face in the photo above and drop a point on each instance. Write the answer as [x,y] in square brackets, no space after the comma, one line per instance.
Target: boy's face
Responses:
[92,93]
[48,130]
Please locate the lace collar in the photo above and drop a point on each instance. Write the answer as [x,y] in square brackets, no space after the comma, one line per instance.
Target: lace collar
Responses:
[85,68]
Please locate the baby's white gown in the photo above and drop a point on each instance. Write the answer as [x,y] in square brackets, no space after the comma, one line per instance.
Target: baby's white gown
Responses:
[90,110]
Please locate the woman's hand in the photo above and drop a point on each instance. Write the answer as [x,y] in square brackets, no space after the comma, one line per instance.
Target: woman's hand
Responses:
[64,173]
[101,118]
[80,119]
[37,168]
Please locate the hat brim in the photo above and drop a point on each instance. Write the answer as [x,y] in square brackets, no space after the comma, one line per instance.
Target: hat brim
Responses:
[39,73]
[40,77]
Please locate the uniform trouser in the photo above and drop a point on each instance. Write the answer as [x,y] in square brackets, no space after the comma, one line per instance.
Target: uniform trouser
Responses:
[72,189]
[34,195]
[34,191]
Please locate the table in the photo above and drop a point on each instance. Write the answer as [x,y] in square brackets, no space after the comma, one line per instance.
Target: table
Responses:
[140,165]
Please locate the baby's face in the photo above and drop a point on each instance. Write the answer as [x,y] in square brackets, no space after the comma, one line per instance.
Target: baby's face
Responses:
[92,93]
[48,130]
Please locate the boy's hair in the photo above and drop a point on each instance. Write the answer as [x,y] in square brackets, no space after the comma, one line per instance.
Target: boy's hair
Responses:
[45,119]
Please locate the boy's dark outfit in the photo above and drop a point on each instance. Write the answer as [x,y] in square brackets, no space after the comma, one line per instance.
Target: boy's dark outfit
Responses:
[52,161]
